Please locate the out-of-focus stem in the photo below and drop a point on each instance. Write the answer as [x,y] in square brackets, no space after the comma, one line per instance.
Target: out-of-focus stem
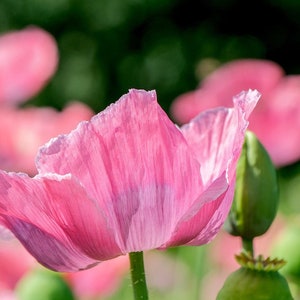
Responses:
[248,246]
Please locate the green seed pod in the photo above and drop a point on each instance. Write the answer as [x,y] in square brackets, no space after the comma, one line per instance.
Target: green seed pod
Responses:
[43,284]
[256,195]
[257,279]
[251,284]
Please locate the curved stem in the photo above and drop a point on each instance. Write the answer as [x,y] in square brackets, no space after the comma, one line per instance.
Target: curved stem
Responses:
[138,277]
[248,246]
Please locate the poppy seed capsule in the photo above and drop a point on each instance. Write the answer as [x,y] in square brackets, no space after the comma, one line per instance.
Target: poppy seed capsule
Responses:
[252,284]
[257,279]
[256,194]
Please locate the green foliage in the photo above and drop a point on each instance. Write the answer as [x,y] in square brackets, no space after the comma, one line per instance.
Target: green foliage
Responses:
[43,284]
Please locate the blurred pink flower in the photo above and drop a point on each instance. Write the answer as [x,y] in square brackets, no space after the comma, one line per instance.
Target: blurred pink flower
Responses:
[15,261]
[101,281]
[128,180]
[28,58]
[276,121]
[23,131]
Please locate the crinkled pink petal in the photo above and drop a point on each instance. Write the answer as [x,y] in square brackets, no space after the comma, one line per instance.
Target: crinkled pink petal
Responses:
[216,137]
[206,223]
[195,222]
[23,131]
[128,180]
[55,221]
[136,163]
[28,58]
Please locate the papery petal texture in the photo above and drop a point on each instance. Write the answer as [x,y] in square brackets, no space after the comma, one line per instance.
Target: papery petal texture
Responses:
[216,137]
[127,180]
[136,163]
[28,59]
[277,110]
[55,221]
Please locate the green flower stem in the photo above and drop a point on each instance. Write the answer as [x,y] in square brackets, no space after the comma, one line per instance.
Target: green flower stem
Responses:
[248,246]
[138,276]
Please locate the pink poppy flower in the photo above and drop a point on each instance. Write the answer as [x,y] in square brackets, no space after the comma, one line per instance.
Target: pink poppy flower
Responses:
[23,131]
[127,180]
[28,58]
[276,121]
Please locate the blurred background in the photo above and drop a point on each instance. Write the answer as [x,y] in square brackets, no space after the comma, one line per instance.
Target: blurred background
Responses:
[108,46]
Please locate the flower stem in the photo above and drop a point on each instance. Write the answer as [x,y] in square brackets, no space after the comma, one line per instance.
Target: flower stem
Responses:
[248,246]
[138,276]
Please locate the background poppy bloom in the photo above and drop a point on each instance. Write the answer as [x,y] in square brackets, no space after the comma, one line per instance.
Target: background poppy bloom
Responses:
[276,120]
[28,58]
